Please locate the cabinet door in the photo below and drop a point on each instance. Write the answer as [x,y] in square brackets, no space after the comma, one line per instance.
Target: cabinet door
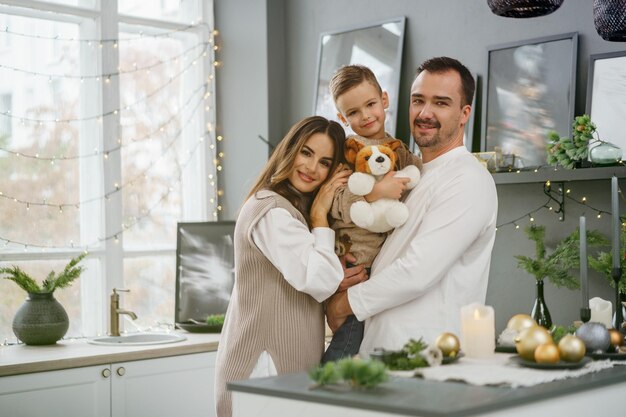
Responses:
[78,392]
[165,387]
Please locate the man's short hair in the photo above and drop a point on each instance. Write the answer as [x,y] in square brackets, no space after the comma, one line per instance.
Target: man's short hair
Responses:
[349,76]
[444,64]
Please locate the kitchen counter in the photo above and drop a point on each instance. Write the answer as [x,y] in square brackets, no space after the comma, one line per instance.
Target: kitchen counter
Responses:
[592,394]
[65,354]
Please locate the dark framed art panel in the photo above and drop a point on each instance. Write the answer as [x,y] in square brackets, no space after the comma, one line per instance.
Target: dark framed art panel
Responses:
[606,96]
[378,46]
[530,90]
[204,269]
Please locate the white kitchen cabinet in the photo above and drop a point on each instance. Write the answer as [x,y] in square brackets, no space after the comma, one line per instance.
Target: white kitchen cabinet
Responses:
[171,386]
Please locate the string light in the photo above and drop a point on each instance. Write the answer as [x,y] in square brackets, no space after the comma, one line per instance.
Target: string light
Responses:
[117,187]
[90,42]
[100,116]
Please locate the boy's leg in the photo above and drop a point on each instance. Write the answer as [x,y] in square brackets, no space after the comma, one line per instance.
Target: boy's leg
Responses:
[346,341]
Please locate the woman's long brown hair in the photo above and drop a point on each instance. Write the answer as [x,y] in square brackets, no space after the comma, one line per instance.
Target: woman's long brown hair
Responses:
[275,175]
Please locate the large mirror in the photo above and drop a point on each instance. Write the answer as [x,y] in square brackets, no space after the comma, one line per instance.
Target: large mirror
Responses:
[377,46]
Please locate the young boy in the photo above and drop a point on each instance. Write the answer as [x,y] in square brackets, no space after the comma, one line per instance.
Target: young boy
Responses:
[361,104]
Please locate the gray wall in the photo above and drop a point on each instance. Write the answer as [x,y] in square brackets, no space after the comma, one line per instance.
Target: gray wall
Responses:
[461,29]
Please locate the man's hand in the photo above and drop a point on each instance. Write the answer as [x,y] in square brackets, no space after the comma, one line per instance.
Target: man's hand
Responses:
[337,310]
[352,275]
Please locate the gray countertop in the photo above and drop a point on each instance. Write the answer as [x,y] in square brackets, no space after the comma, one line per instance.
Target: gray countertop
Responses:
[412,396]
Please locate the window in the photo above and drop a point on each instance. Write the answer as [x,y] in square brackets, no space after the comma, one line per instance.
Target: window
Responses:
[104,143]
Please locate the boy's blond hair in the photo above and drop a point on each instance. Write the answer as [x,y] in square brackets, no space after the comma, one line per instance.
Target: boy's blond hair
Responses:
[349,76]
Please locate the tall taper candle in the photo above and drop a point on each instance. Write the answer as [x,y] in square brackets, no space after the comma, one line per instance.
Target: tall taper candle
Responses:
[616,223]
[583,262]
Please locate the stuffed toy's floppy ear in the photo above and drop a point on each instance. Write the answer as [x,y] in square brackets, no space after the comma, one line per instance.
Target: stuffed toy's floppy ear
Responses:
[351,148]
[394,144]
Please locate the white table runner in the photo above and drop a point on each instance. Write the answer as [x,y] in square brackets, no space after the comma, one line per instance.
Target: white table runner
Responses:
[499,370]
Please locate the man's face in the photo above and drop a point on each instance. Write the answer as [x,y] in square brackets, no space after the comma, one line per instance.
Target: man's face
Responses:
[436,115]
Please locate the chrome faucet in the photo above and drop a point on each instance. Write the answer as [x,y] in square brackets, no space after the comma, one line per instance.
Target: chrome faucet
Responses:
[114,328]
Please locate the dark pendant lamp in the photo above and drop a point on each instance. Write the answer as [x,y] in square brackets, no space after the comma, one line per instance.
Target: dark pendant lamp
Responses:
[523,8]
[610,19]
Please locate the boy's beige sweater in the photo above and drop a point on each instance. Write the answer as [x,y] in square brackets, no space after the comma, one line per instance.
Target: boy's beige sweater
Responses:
[349,237]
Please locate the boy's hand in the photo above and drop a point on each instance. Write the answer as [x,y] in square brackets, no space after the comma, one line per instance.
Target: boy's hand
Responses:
[389,187]
[352,275]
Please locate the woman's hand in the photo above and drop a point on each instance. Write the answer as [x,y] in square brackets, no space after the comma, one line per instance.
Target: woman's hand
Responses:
[324,198]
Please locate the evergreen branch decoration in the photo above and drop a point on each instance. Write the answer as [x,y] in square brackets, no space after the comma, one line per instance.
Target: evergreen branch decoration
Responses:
[565,257]
[53,281]
[603,263]
[567,152]
[356,373]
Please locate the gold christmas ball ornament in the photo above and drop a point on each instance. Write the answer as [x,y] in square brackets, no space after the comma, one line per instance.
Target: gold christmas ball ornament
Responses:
[547,353]
[448,343]
[520,322]
[571,348]
[617,339]
[595,336]
[528,340]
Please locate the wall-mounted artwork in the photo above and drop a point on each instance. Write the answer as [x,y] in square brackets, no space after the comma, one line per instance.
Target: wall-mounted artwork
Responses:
[377,46]
[606,96]
[529,91]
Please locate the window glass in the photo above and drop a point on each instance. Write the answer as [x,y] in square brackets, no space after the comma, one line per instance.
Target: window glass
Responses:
[184,11]
[151,281]
[39,105]
[156,110]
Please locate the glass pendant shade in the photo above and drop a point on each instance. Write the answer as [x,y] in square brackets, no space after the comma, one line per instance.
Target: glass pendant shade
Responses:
[609,17]
[523,8]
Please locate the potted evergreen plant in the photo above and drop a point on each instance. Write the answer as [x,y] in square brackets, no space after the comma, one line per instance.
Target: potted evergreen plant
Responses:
[555,267]
[42,320]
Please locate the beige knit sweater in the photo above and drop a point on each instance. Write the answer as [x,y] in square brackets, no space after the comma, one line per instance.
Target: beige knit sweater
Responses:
[265,313]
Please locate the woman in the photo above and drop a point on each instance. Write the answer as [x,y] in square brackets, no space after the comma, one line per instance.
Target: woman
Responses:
[283,270]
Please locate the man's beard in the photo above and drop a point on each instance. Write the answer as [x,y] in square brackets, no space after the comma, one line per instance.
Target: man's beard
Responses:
[440,136]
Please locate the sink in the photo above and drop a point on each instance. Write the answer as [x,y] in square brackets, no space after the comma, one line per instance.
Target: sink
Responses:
[137,339]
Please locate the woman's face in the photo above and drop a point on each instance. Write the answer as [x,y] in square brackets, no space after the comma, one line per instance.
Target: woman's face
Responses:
[312,164]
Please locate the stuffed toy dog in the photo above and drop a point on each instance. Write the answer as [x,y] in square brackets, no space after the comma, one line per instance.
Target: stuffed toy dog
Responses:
[371,163]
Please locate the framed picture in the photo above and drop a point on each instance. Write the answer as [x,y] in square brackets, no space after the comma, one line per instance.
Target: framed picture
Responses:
[530,91]
[205,271]
[378,46]
[606,96]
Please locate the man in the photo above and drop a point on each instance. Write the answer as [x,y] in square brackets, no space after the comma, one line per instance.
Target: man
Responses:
[438,261]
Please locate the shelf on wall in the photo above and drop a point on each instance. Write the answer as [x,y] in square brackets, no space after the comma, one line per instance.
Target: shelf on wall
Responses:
[544,174]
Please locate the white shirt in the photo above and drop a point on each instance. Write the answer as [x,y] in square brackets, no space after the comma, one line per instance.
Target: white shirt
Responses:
[437,262]
[306,259]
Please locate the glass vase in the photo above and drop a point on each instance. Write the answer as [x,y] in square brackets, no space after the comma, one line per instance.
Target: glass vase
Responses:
[540,312]
[605,154]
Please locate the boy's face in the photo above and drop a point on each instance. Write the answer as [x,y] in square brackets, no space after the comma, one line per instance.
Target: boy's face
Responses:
[363,107]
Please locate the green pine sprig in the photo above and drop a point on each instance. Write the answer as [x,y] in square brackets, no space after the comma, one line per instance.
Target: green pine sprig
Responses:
[356,373]
[565,151]
[53,281]
[603,263]
[556,267]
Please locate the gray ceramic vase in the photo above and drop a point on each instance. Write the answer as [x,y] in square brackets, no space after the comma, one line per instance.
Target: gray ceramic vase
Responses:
[41,320]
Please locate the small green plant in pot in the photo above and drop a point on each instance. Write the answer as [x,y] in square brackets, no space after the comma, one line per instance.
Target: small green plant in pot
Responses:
[555,267]
[42,320]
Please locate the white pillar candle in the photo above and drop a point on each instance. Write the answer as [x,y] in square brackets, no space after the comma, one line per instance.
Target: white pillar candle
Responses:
[583,263]
[616,223]
[478,330]
[601,311]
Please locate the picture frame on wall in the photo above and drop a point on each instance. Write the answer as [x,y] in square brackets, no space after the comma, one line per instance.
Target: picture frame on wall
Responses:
[529,91]
[606,96]
[378,46]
